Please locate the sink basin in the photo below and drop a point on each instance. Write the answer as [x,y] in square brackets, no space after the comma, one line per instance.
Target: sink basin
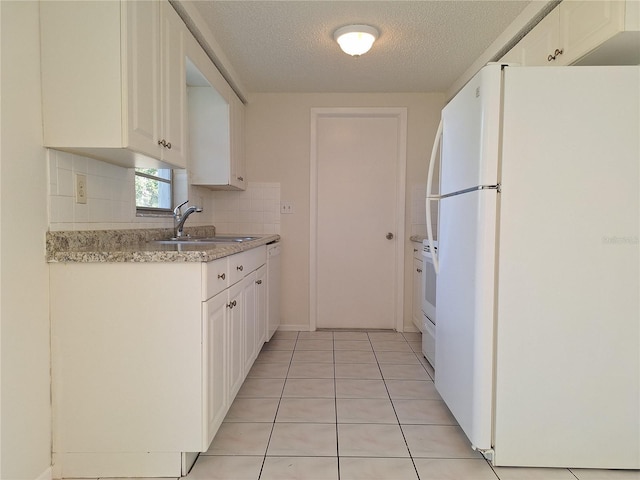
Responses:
[230,238]
[204,240]
[185,241]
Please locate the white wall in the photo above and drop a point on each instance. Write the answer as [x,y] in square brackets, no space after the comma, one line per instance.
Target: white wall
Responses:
[278,150]
[25,415]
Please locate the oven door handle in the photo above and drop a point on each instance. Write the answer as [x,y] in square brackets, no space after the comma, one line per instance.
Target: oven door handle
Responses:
[430,198]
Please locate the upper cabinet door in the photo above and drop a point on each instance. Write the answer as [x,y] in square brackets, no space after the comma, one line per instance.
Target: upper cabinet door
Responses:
[586,24]
[237,176]
[143,76]
[534,49]
[174,86]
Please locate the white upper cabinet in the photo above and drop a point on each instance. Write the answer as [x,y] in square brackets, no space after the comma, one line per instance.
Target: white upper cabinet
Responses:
[174,87]
[215,124]
[113,81]
[576,30]
[237,170]
[543,40]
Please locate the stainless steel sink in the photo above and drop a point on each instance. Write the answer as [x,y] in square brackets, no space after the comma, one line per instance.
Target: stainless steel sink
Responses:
[231,238]
[184,241]
[204,240]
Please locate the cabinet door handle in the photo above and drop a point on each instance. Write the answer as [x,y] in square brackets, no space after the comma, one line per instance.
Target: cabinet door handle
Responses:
[419,270]
[259,282]
[162,142]
[240,178]
[230,305]
[168,145]
[551,58]
[240,268]
[222,276]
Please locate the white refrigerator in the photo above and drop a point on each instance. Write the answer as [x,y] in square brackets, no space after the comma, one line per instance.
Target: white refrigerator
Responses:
[538,293]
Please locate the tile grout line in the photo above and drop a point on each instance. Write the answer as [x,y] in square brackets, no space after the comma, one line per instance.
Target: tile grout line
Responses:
[273,425]
[335,402]
[384,382]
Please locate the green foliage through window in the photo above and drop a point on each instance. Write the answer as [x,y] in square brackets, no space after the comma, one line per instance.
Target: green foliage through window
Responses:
[153,189]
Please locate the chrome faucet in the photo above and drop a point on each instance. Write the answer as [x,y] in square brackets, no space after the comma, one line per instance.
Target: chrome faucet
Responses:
[180,218]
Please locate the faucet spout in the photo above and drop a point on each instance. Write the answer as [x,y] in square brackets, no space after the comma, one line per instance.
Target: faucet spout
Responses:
[181,218]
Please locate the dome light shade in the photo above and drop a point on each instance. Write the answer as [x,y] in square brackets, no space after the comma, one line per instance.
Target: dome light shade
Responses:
[355,39]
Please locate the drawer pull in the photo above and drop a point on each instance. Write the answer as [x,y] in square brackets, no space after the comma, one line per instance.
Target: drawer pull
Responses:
[222,276]
[240,268]
[259,282]
[419,270]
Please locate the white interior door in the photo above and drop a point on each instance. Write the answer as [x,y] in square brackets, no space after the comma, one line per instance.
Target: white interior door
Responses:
[357,159]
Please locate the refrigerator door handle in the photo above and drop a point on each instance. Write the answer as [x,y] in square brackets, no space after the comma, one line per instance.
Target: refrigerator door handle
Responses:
[467,190]
[435,198]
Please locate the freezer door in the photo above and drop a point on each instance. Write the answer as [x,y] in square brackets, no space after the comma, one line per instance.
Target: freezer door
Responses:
[465,300]
[471,133]
[568,327]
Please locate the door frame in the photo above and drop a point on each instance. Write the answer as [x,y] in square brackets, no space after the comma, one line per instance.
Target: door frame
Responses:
[400,114]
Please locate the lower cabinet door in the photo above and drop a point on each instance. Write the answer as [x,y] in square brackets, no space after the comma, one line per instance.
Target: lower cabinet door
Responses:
[235,339]
[261,306]
[250,327]
[215,399]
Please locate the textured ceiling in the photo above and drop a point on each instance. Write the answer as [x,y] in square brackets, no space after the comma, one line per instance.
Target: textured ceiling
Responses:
[288,46]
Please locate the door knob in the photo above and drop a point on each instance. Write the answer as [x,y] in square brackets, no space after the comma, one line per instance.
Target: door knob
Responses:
[389,236]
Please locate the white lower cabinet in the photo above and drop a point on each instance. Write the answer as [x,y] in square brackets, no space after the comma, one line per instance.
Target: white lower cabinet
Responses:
[262,317]
[250,324]
[235,339]
[214,342]
[147,359]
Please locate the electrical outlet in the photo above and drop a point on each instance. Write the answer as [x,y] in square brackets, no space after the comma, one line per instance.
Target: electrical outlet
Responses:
[81,188]
[286,208]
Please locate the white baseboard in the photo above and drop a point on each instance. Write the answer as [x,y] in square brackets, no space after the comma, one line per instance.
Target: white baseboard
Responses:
[118,464]
[46,475]
[294,328]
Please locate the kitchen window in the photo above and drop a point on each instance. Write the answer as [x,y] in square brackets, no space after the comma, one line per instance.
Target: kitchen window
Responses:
[154,188]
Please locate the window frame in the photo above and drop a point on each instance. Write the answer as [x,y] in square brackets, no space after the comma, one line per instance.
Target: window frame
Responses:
[142,211]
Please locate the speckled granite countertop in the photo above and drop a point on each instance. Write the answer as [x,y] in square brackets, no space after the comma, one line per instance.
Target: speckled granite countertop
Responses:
[104,246]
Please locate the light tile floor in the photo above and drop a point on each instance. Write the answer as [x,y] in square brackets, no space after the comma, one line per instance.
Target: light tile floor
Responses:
[350,406]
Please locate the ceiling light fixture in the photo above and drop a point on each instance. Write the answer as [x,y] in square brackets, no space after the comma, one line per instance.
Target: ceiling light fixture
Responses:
[355,39]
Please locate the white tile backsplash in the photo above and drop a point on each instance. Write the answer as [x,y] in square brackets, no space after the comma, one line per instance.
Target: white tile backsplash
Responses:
[111,200]
[110,196]
[255,210]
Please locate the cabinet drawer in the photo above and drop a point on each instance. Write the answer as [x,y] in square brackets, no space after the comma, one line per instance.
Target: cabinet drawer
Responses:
[215,277]
[255,258]
[246,262]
